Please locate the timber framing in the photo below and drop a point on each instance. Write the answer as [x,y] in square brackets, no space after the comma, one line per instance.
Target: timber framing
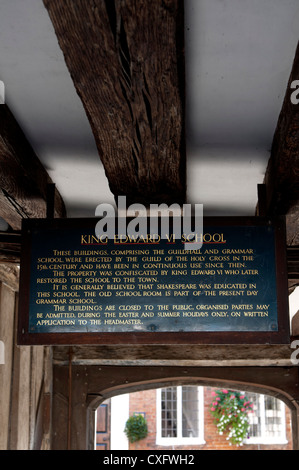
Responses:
[10,247]
[127,63]
[282,173]
[23,179]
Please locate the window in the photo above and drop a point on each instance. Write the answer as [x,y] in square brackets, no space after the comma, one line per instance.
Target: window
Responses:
[267,422]
[180,415]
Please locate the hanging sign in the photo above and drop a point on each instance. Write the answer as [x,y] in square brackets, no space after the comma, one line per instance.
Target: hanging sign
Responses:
[76,288]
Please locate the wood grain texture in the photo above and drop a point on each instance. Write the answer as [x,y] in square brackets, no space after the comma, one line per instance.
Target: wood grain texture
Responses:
[127,64]
[10,247]
[23,179]
[282,175]
[169,355]
[9,275]
[7,303]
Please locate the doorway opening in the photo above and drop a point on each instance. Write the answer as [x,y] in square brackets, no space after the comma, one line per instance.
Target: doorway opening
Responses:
[178,416]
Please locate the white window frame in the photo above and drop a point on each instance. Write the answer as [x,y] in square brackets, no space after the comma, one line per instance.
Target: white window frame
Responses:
[179,440]
[263,438]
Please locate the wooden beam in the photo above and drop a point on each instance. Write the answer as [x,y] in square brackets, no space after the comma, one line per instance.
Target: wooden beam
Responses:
[293,267]
[9,275]
[10,247]
[173,355]
[23,179]
[283,168]
[127,64]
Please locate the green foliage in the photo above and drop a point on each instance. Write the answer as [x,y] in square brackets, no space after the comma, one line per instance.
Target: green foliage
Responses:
[230,411]
[136,428]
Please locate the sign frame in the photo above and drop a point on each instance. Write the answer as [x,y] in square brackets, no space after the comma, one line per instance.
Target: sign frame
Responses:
[281,336]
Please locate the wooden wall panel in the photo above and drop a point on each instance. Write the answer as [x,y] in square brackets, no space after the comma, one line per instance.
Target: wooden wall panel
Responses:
[24,377]
[20,412]
[7,304]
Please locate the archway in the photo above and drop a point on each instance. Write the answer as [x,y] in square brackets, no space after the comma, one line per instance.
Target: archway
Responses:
[269,381]
[179,417]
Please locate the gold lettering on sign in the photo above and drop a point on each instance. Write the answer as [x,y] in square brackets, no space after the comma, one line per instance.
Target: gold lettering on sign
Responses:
[134,282]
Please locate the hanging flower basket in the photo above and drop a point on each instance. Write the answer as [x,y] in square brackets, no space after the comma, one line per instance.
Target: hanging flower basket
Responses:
[230,412]
[136,428]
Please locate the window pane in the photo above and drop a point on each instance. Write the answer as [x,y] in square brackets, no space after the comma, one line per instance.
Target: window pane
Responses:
[273,416]
[255,417]
[189,412]
[267,419]
[169,412]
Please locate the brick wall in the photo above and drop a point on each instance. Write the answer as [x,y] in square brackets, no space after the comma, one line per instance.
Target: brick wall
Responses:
[145,402]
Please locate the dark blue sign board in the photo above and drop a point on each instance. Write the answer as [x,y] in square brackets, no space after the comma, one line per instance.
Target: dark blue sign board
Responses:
[76,288]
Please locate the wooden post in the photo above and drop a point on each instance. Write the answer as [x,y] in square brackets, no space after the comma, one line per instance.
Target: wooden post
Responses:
[50,200]
[262,200]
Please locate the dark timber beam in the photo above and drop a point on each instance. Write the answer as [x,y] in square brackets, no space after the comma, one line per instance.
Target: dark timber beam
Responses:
[282,176]
[23,179]
[10,247]
[126,61]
